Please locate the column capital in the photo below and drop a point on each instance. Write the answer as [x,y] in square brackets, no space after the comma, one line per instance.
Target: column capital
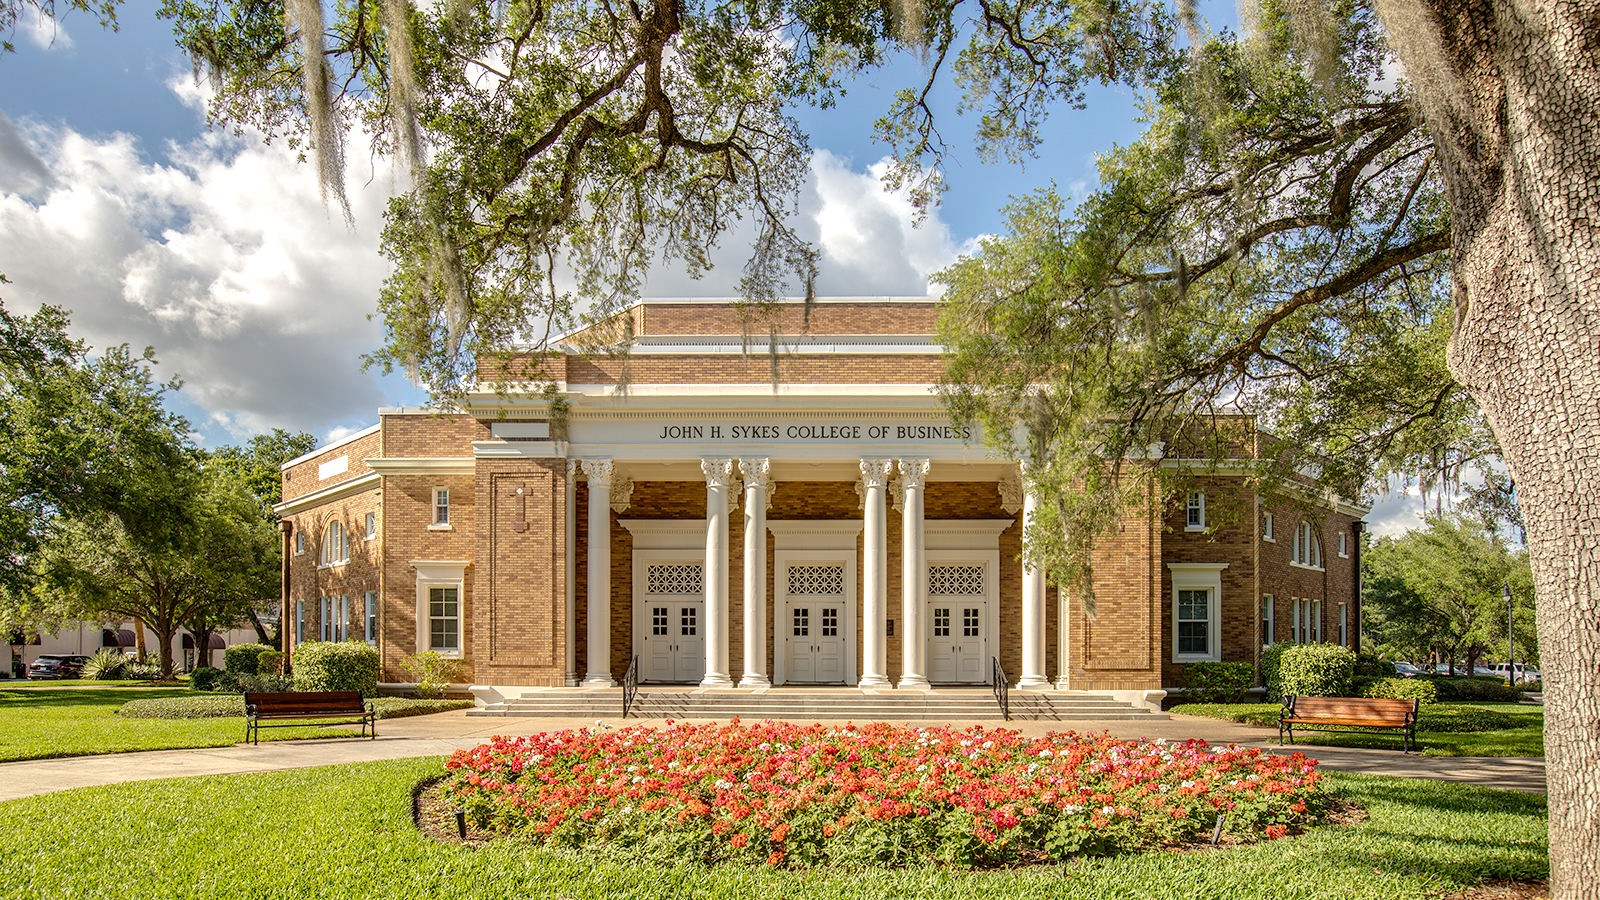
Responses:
[1010,493]
[914,472]
[757,471]
[875,472]
[598,470]
[572,470]
[621,494]
[718,472]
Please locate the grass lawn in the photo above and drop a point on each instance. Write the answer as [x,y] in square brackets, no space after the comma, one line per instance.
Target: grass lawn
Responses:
[1524,737]
[346,831]
[40,724]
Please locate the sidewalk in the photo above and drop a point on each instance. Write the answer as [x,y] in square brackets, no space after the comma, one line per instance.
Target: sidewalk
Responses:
[442,733]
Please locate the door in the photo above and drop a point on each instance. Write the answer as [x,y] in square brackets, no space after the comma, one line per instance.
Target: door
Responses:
[674,639]
[958,651]
[813,624]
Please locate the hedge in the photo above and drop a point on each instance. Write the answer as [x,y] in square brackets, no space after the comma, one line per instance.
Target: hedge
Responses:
[1316,670]
[225,705]
[1402,689]
[205,678]
[1370,666]
[240,659]
[1271,663]
[1217,682]
[1463,688]
[336,666]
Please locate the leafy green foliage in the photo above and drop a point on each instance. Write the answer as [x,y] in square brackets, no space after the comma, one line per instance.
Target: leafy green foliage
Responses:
[1271,667]
[242,659]
[1461,718]
[1403,689]
[433,672]
[336,666]
[205,678]
[1369,665]
[107,664]
[1217,682]
[1523,736]
[271,662]
[1473,689]
[1316,670]
[1439,589]
[233,705]
[259,463]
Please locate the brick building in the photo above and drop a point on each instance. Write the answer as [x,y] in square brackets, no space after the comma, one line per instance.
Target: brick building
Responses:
[835,529]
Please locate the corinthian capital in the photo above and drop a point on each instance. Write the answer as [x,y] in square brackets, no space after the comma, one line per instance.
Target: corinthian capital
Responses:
[875,472]
[598,470]
[757,472]
[719,472]
[914,473]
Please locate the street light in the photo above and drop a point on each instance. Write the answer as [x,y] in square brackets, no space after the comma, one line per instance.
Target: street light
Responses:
[1511,640]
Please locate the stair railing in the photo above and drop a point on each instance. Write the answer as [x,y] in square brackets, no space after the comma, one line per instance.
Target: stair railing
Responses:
[1002,691]
[630,686]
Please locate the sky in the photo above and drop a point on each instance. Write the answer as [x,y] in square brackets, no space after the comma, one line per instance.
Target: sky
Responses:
[119,204]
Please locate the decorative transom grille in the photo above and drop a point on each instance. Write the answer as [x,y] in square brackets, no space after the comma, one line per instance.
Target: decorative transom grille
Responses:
[674,578]
[960,581]
[802,623]
[816,579]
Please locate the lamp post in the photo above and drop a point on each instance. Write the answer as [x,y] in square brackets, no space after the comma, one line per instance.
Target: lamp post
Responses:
[1511,640]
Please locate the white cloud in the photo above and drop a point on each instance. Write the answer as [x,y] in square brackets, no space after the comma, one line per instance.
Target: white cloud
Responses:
[41,30]
[869,242]
[222,258]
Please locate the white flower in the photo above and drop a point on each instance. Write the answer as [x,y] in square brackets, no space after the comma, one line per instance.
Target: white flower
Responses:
[1071,809]
[1165,788]
[1188,784]
[1252,777]
[1108,810]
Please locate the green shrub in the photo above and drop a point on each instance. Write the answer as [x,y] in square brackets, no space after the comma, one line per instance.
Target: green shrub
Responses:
[205,678]
[211,707]
[1217,682]
[433,672]
[1271,663]
[1402,689]
[1461,719]
[147,669]
[264,682]
[1472,689]
[271,662]
[336,666]
[1531,687]
[107,664]
[1368,665]
[240,659]
[1316,670]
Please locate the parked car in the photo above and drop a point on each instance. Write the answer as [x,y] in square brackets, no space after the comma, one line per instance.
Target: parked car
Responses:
[1407,670]
[56,665]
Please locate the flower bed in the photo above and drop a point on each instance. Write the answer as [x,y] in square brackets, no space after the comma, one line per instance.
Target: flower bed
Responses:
[874,795]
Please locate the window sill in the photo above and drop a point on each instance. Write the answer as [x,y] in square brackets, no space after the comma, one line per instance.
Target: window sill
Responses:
[342,562]
[1296,565]
[1195,528]
[1196,657]
[1269,539]
[440,528]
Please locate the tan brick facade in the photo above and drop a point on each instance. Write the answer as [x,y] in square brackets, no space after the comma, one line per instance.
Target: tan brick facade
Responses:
[510,515]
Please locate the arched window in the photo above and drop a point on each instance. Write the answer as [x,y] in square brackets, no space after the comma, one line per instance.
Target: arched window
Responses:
[335,545]
[1307,547]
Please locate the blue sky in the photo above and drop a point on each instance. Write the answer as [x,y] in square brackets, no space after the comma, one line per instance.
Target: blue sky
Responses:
[116,202]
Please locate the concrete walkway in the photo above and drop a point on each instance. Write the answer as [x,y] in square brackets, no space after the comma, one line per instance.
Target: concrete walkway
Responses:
[442,733]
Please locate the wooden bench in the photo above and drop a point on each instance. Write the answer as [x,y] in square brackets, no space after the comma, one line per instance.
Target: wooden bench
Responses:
[1352,715]
[345,705]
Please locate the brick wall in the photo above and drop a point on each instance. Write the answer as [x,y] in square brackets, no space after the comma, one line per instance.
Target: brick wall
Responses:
[519,572]
[408,513]
[304,478]
[1230,539]
[834,368]
[431,435]
[309,580]
[1119,646]
[1337,582]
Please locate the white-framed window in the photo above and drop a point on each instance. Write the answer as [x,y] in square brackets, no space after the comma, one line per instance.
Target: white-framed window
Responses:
[440,606]
[1196,517]
[299,621]
[335,545]
[1307,547]
[1196,604]
[1344,625]
[1316,621]
[372,525]
[1266,528]
[441,508]
[372,618]
[1269,631]
[1294,620]
[299,543]
[1343,552]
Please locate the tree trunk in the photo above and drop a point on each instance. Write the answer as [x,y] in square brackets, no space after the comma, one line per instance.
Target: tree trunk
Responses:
[261,630]
[138,638]
[166,630]
[1511,92]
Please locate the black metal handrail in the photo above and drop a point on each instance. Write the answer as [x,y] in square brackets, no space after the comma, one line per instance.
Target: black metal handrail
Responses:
[630,686]
[1002,691]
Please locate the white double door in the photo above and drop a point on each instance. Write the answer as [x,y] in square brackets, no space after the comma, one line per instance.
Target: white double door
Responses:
[958,641]
[672,621]
[814,621]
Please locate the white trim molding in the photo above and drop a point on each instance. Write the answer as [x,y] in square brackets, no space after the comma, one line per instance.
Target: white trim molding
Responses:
[433,573]
[424,466]
[329,494]
[1206,577]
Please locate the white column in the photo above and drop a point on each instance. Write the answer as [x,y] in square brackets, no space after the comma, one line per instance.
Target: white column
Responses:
[756,474]
[718,473]
[874,576]
[571,572]
[599,557]
[913,577]
[1033,675]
